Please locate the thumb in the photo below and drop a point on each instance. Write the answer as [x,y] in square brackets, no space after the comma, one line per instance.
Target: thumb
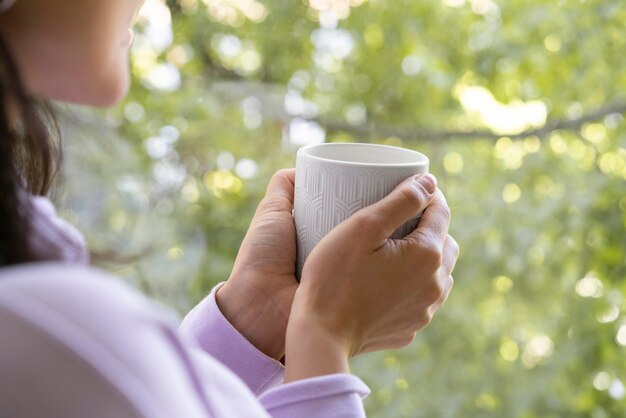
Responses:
[407,200]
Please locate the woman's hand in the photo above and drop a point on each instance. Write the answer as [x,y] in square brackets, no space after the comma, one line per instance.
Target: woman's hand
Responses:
[257,297]
[361,291]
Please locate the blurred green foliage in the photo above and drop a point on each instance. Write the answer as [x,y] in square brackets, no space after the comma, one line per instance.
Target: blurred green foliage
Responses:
[519,104]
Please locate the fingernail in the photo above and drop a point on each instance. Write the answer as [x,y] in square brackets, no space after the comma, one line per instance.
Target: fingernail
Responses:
[428,182]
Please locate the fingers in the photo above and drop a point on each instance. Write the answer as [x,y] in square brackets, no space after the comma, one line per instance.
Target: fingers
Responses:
[432,229]
[382,218]
[448,282]
[450,255]
[279,193]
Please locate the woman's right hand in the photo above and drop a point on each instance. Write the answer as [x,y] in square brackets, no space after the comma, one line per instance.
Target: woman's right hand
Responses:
[361,291]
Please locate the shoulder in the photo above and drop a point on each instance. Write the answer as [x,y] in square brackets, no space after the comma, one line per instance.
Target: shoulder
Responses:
[85,295]
[57,277]
[85,308]
[77,332]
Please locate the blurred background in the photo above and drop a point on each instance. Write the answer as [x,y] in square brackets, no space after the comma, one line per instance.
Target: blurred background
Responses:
[520,104]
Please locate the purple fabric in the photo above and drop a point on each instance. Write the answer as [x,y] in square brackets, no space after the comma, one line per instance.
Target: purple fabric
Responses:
[78,342]
[51,237]
[337,396]
[208,328]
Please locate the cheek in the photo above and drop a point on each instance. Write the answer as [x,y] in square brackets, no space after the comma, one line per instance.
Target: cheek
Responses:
[83,57]
[102,78]
[112,82]
[105,73]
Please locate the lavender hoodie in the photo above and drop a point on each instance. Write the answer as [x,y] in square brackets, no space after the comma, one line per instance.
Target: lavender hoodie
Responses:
[78,342]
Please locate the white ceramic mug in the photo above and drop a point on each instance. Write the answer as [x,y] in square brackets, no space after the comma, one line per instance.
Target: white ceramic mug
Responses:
[334,180]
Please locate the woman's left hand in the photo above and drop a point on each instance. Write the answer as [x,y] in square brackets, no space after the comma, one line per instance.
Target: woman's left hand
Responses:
[257,297]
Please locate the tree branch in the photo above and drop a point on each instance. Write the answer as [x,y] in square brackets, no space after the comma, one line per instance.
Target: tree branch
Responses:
[372,129]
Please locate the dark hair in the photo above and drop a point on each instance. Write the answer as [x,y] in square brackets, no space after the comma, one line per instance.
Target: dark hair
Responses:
[30,158]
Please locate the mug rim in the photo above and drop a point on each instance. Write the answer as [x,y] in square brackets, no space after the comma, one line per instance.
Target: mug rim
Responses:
[422,160]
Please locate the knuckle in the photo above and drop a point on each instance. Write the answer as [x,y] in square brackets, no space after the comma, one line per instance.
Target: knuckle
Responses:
[369,221]
[434,292]
[455,246]
[457,250]
[431,257]
[407,339]
[410,196]
[446,212]
[424,320]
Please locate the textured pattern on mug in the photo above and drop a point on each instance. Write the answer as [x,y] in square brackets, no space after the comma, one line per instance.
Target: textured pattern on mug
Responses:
[327,194]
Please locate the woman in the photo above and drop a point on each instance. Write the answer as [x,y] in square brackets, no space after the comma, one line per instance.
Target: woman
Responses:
[76,342]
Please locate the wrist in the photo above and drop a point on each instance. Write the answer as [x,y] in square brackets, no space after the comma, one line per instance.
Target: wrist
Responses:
[313,349]
[255,316]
